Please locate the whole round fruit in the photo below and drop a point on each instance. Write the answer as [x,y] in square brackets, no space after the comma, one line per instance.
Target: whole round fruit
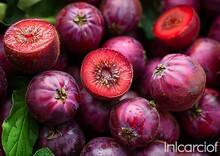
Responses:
[177,27]
[134,122]
[121,16]
[52,97]
[103,146]
[80,26]
[65,139]
[106,73]
[202,121]
[177,83]
[214,30]
[3,84]
[32,45]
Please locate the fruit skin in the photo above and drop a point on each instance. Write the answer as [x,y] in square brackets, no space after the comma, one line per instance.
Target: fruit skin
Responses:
[207,52]
[52,97]
[105,146]
[83,36]
[29,54]
[65,139]
[62,62]
[134,122]
[169,129]
[178,82]
[214,30]
[3,84]
[157,148]
[130,48]
[183,37]
[202,121]
[93,2]
[121,16]
[108,76]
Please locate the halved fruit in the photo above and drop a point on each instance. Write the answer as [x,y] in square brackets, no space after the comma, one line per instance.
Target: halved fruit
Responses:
[106,73]
[177,27]
[32,45]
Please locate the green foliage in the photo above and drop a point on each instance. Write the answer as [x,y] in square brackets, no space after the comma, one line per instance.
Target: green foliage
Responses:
[44,152]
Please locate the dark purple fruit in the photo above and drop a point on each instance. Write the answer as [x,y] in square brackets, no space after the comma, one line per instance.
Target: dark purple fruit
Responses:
[80,26]
[214,31]
[52,97]
[121,16]
[62,62]
[134,122]
[3,84]
[103,146]
[177,83]
[66,139]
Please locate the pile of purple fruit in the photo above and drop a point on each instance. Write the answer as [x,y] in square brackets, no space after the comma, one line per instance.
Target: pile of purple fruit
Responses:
[97,86]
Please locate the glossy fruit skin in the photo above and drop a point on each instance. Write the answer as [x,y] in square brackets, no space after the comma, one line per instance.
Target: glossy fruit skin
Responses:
[134,122]
[187,31]
[121,16]
[29,53]
[195,4]
[130,48]
[83,36]
[110,66]
[93,2]
[169,129]
[105,146]
[214,31]
[65,139]
[207,52]
[3,84]
[178,82]
[52,97]
[93,113]
[157,148]
[202,121]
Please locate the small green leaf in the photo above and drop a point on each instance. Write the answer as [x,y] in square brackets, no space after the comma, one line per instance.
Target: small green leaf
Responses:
[44,152]
[20,130]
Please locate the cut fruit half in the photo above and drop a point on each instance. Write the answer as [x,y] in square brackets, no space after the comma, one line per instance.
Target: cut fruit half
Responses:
[106,73]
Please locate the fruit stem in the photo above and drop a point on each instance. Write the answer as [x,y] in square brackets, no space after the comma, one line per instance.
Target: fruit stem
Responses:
[159,70]
[80,19]
[196,111]
[61,94]
[52,133]
[127,133]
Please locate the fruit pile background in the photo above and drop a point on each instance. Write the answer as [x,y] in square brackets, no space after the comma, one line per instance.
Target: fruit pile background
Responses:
[133,118]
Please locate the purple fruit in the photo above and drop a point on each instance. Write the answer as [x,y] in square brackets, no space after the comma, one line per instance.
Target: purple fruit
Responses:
[61,63]
[80,26]
[130,48]
[134,122]
[3,84]
[202,121]
[121,16]
[211,7]
[169,129]
[177,83]
[65,139]
[214,31]
[155,148]
[195,4]
[103,146]
[93,113]
[148,72]
[207,52]
[52,97]
[93,2]
[74,71]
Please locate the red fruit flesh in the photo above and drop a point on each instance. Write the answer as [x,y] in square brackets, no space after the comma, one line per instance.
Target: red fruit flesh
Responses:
[177,27]
[52,97]
[177,82]
[106,73]
[32,45]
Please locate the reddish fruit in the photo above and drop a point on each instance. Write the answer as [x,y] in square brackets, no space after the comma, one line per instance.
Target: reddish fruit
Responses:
[80,26]
[65,139]
[134,122]
[52,97]
[177,83]
[106,73]
[32,45]
[211,7]
[207,52]
[169,129]
[177,27]
[103,146]
[202,121]
[93,2]
[74,71]
[214,31]
[130,48]
[121,16]
[3,84]
[61,63]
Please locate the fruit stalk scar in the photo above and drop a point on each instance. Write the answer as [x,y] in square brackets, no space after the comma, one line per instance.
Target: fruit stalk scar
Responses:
[61,94]
[127,133]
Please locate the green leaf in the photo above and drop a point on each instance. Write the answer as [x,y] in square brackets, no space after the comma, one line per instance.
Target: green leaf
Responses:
[44,152]
[20,130]
[24,4]
[3,7]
